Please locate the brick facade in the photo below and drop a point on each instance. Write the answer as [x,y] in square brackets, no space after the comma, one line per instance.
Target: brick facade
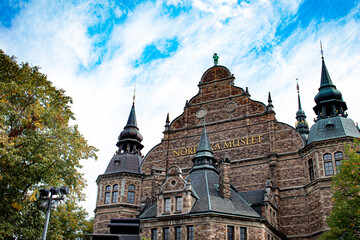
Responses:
[257,152]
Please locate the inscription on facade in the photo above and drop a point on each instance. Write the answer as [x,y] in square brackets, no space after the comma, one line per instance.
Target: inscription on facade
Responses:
[234,143]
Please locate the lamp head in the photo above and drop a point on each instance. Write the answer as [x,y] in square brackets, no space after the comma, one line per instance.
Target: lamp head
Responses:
[55,191]
[64,190]
[44,192]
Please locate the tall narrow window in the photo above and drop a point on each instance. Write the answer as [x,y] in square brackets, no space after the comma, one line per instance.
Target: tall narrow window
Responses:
[243,233]
[167,205]
[154,234]
[190,233]
[338,157]
[166,233]
[178,203]
[115,193]
[107,194]
[329,170]
[311,170]
[131,194]
[177,233]
[230,233]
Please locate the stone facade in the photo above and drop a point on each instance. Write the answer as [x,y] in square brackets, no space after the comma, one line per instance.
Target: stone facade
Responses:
[256,152]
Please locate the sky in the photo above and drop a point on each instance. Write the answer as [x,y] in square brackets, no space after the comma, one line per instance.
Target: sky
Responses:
[98,50]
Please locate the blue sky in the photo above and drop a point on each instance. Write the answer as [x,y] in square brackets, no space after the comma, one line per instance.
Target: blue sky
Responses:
[97,50]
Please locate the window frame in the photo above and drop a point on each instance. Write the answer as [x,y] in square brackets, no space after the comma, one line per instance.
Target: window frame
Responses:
[166,233]
[328,164]
[190,232]
[154,234]
[230,232]
[179,203]
[243,234]
[167,204]
[311,170]
[131,194]
[178,233]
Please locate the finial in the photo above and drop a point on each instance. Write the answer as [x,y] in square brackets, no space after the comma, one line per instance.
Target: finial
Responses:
[134,93]
[321,50]
[297,85]
[270,106]
[167,118]
[269,98]
[216,59]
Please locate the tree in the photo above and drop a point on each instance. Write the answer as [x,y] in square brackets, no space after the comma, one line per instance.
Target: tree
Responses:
[38,147]
[344,220]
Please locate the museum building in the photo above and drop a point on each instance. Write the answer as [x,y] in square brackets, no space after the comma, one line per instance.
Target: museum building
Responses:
[227,169]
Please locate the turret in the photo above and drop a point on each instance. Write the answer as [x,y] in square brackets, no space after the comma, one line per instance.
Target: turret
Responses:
[329,102]
[301,123]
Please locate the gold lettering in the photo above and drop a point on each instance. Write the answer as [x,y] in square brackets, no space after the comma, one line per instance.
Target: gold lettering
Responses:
[181,152]
[217,146]
[176,153]
[190,150]
[227,145]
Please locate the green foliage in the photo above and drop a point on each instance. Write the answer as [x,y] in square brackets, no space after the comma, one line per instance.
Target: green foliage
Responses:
[344,220]
[38,147]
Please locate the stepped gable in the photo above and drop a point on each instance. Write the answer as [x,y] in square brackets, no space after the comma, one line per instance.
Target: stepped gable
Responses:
[244,128]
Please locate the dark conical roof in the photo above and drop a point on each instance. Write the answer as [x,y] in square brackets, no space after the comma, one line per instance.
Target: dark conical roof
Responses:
[329,102]
[204,157]
[128,158]
[131,131]
[301,124]
[204,149]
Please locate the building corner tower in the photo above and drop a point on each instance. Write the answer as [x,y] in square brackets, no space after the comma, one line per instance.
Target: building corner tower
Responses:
[119,188]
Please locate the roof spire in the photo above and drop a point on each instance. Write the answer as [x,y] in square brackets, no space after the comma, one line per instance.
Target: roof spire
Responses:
[329,102]
[167,123]
[130,138]
[270,106]
[321,50]
[301,124]
[204,157]
[134,94]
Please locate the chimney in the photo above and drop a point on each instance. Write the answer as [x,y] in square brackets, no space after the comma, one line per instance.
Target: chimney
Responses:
[224,177]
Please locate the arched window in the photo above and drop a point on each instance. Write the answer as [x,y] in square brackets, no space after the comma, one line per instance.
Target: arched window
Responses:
[115,193]
[311,170]
[328,164]
[338,157]
[107,194]
[131,194]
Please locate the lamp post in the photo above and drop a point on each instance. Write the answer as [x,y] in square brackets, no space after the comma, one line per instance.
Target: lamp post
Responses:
[51,196]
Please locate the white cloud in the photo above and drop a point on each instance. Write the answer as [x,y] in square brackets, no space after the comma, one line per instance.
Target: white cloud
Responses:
[55,38]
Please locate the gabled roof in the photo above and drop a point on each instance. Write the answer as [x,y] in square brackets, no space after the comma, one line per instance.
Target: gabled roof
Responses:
[205,183]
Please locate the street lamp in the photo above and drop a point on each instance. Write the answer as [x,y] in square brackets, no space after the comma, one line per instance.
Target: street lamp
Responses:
[51,195]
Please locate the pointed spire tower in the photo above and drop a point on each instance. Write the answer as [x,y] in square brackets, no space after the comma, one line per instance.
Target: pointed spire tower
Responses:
[329,101]
[128,157]
[204,157]
[301,124]
[332,121]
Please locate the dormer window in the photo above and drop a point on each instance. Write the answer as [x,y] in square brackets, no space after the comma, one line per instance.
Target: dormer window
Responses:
[178,203]
[167,205]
